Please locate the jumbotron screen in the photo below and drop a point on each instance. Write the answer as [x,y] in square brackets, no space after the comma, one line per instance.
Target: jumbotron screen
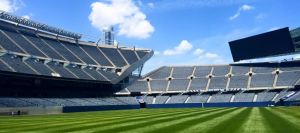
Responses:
[262,45]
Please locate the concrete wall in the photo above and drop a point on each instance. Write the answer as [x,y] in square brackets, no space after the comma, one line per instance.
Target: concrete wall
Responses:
[31,110]
[199,105]
[98,108]
[288,103]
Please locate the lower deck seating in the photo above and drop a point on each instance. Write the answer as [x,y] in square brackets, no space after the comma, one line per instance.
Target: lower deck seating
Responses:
[294,98]
[283,94]
[40,102]
[161,99]
[178,99]
[218,98]
[96,101]
[62,102]
[244,97]
[81,101]
[128,100]
[15,102]
[198,98]
[113,101]
[268,96]
[149,99]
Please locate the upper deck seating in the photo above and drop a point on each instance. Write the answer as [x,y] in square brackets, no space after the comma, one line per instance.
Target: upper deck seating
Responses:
[178,84]
[114,56]
[221,70]
[141,54]
[138,86]
[288,78]
[162,73]
[129,55]
[218,83]
[96,54]
[159,85]
[39,66]
[182,72]
[202,71]
[198,84]
[238,81]
[262,80]
[79,52]
[22,42]
[17,64]
[240,70]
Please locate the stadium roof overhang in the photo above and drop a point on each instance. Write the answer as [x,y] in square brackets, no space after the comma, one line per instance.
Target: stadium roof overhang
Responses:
[31,23]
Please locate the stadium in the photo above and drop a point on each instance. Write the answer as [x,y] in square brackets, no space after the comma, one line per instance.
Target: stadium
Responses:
[53,81]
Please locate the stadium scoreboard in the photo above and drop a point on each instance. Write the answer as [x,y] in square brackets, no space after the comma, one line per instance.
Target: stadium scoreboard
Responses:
[263,45]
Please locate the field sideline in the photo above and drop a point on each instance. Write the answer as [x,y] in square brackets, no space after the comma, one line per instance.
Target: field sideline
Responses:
[281,119]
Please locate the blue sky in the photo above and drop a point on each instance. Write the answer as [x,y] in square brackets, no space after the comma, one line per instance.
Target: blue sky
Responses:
[182,32]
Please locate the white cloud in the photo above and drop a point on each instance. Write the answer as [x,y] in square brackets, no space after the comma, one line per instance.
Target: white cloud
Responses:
[273,28]
[242,8]
[198,51]
[140,3]
[183,47]
[11,5]
[26,16]
[151,5]
[131,21]
[260,16]
[246,7]
[156,52]
[210,55]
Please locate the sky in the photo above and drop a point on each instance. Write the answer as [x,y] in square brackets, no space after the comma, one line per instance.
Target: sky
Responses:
[181,32]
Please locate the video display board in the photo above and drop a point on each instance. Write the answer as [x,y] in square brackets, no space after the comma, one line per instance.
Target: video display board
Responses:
[262,45]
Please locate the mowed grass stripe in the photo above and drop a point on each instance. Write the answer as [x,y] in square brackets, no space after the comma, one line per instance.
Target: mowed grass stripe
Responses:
[221,124]
[84,115]
[278,124]
[69,116]
[293,111]
[92,123]
[286,116]
[203,126]
[181,124]
[94,117]
[148,122]
[113,124]
[255,124]
[232,125]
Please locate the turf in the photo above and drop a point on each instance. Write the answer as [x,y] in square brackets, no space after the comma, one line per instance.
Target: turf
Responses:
[190,120]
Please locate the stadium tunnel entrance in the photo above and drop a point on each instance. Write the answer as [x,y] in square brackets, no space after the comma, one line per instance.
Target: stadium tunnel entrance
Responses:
[142,102]
[143,105]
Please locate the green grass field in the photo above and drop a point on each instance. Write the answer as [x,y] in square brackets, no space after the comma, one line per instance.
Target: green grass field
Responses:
[189,120]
